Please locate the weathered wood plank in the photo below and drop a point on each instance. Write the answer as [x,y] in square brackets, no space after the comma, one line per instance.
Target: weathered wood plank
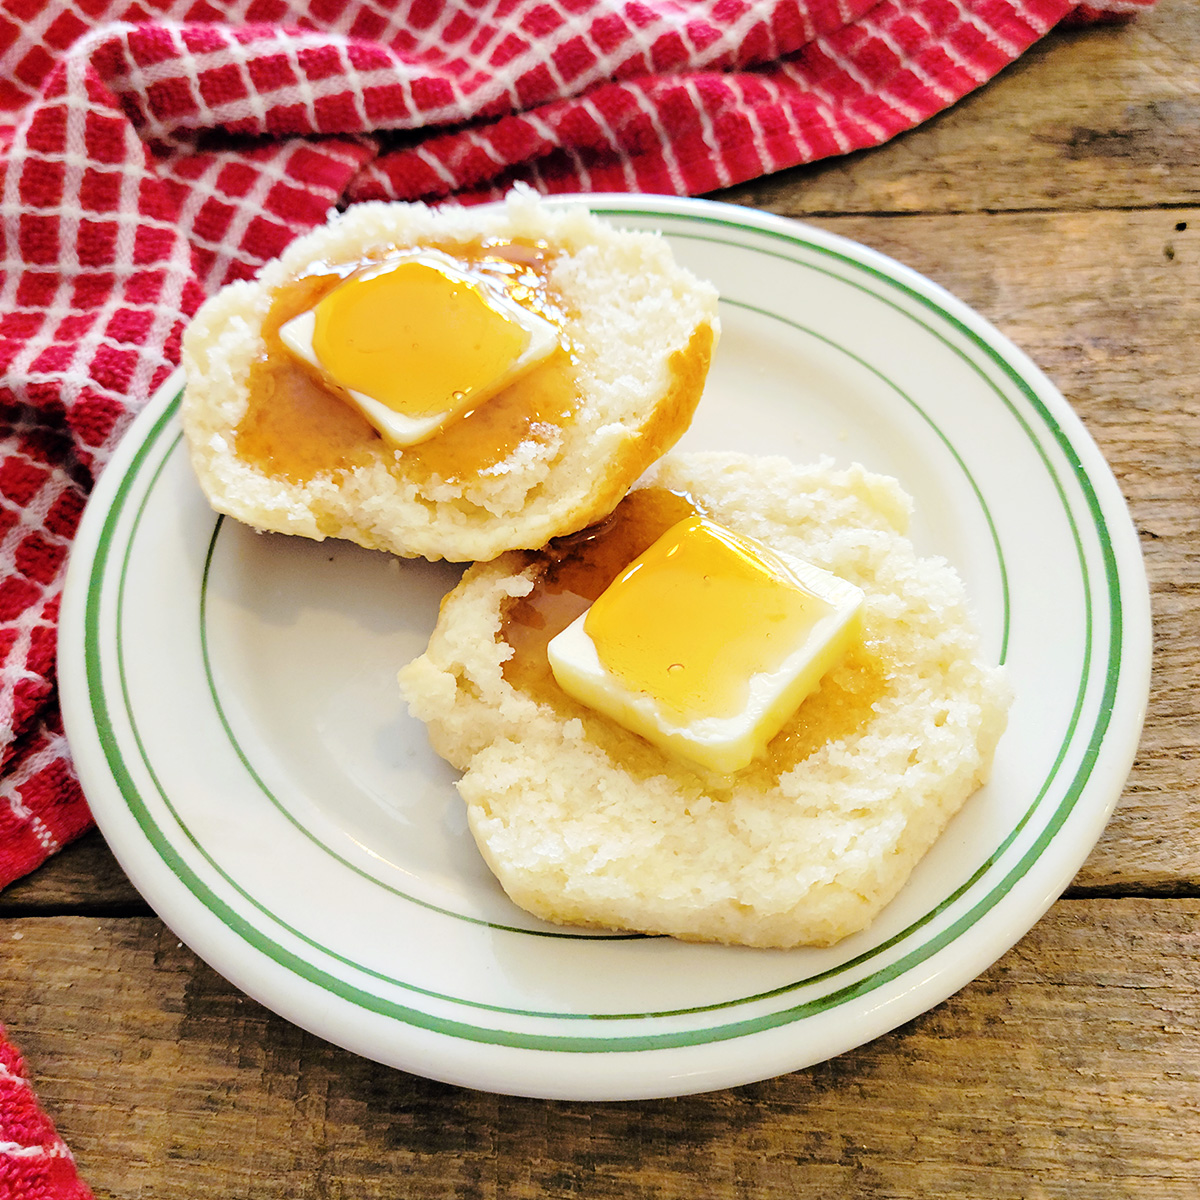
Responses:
[1071,1068]
[1104,117]
[83,873]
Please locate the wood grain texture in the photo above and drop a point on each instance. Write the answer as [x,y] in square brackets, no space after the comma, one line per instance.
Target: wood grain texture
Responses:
[82,875]
[1071,1068]
[1100,117]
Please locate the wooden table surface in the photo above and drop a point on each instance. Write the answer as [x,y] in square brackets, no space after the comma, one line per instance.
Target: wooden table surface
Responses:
[1063,202]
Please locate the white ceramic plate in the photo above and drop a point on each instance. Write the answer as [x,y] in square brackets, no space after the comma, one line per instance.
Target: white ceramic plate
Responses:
[230,700]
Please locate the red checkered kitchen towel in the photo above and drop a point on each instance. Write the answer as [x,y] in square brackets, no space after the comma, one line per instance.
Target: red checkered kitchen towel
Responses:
[152,151]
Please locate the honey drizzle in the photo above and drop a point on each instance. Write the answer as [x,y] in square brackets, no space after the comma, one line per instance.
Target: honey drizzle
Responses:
[577,569]
[295,427]
[838,709]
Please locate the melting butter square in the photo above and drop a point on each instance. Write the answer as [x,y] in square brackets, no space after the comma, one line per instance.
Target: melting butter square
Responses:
[417,340]
[707,643]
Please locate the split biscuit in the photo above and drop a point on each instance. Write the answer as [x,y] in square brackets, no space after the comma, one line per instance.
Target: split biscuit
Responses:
[637,336]
[587,824]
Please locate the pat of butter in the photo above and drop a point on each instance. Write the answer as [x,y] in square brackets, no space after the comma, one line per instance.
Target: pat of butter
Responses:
[707,643]
[417,341]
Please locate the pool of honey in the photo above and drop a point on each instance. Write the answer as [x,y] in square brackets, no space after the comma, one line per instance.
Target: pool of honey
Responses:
[295,426]
[577,569]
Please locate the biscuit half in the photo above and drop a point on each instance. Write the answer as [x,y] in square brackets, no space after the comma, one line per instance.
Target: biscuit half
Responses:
[639,330]
[586,824]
